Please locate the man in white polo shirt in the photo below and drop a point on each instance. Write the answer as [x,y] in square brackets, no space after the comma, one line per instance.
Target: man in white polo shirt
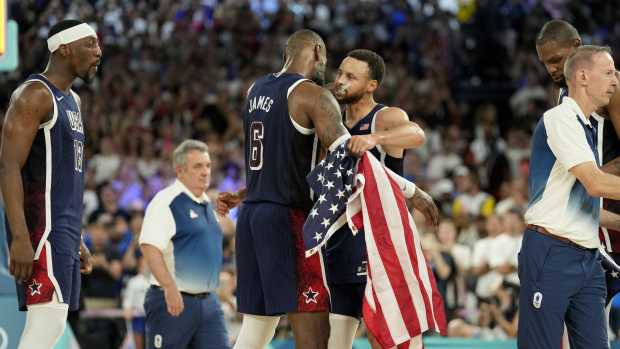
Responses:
[182,242]
[559,264]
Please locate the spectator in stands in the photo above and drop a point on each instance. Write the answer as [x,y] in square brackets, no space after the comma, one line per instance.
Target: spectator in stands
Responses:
[471,199]
[133,303]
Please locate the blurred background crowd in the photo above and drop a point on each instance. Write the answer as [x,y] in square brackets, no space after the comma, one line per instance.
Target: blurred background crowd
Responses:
[465,70]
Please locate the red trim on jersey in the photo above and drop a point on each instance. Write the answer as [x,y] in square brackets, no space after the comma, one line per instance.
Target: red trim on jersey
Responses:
[39,288]
[312,294]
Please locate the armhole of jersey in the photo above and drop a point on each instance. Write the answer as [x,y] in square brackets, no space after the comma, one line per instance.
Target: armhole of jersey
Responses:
[298,127]
[49,123]
[247,93]
[372,130]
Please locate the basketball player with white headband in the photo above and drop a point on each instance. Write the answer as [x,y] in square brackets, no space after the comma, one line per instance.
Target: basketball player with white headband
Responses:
[42,182]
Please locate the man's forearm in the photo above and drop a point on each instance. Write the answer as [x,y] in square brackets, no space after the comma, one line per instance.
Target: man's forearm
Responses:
[607,186]
[405,137]
[242,193]
[157,265]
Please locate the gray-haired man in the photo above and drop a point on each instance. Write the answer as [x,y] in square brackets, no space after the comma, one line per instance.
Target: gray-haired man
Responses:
[182,242]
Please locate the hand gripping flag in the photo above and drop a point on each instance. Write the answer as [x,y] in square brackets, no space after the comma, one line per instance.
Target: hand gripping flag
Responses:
[401,298]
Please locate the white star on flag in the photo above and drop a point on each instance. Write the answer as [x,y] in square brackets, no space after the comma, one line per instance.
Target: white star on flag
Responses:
[330,197]
[614,274]
[349,172]
[325,222]
[347,187]
[314,213]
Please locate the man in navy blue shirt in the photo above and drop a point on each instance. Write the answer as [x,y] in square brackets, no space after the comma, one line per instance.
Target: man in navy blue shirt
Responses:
[42,181]
[182,242]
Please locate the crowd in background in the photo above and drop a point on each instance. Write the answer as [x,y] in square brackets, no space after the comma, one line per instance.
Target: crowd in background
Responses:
[466,71]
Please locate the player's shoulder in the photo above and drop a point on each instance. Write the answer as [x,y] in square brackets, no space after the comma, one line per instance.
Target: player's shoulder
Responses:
[309,94]
[388,112]
[32,93]
[309,87]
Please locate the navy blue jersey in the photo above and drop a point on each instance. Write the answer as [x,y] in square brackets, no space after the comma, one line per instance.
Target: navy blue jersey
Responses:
[366,125]
[53,176]
[279,153]
[346,253]
[562,93]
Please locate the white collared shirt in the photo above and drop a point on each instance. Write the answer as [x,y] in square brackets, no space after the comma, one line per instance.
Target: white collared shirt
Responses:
[563,138]
[185,229]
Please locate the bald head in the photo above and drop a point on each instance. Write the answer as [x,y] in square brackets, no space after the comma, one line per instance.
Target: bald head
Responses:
[301,39]
[305,54]
[583,58]
[557,31]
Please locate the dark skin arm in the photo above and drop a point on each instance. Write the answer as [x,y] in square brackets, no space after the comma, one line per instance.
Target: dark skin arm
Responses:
[30,106]
[311,106]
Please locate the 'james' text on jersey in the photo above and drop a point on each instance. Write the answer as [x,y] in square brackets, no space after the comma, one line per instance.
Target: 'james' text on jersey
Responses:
[260,102]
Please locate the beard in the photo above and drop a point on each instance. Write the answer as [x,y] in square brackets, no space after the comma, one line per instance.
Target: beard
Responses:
[350,99]
[318,78]
[87,78]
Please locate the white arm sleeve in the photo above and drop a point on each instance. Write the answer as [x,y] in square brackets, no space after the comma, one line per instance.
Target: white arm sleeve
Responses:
[408,188]
[567,140]
[158,226]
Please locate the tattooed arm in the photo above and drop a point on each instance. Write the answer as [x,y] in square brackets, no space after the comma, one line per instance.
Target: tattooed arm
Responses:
[312,106]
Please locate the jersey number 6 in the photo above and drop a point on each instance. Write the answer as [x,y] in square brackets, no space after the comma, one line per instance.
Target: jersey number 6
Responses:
[256,145]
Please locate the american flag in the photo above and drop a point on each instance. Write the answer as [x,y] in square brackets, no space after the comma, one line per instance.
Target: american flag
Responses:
[401,298]
[333,182]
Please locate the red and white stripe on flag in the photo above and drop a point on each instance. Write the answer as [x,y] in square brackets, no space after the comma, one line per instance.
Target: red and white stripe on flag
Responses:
[401,299]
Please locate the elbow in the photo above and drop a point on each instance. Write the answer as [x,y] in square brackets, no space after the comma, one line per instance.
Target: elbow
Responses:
[418,139]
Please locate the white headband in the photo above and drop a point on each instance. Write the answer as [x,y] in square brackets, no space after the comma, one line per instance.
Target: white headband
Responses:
[70,35]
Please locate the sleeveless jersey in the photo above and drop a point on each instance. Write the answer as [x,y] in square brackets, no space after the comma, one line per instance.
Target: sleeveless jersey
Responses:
[53,176]
[346,253]
[279,153]
[366,125]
